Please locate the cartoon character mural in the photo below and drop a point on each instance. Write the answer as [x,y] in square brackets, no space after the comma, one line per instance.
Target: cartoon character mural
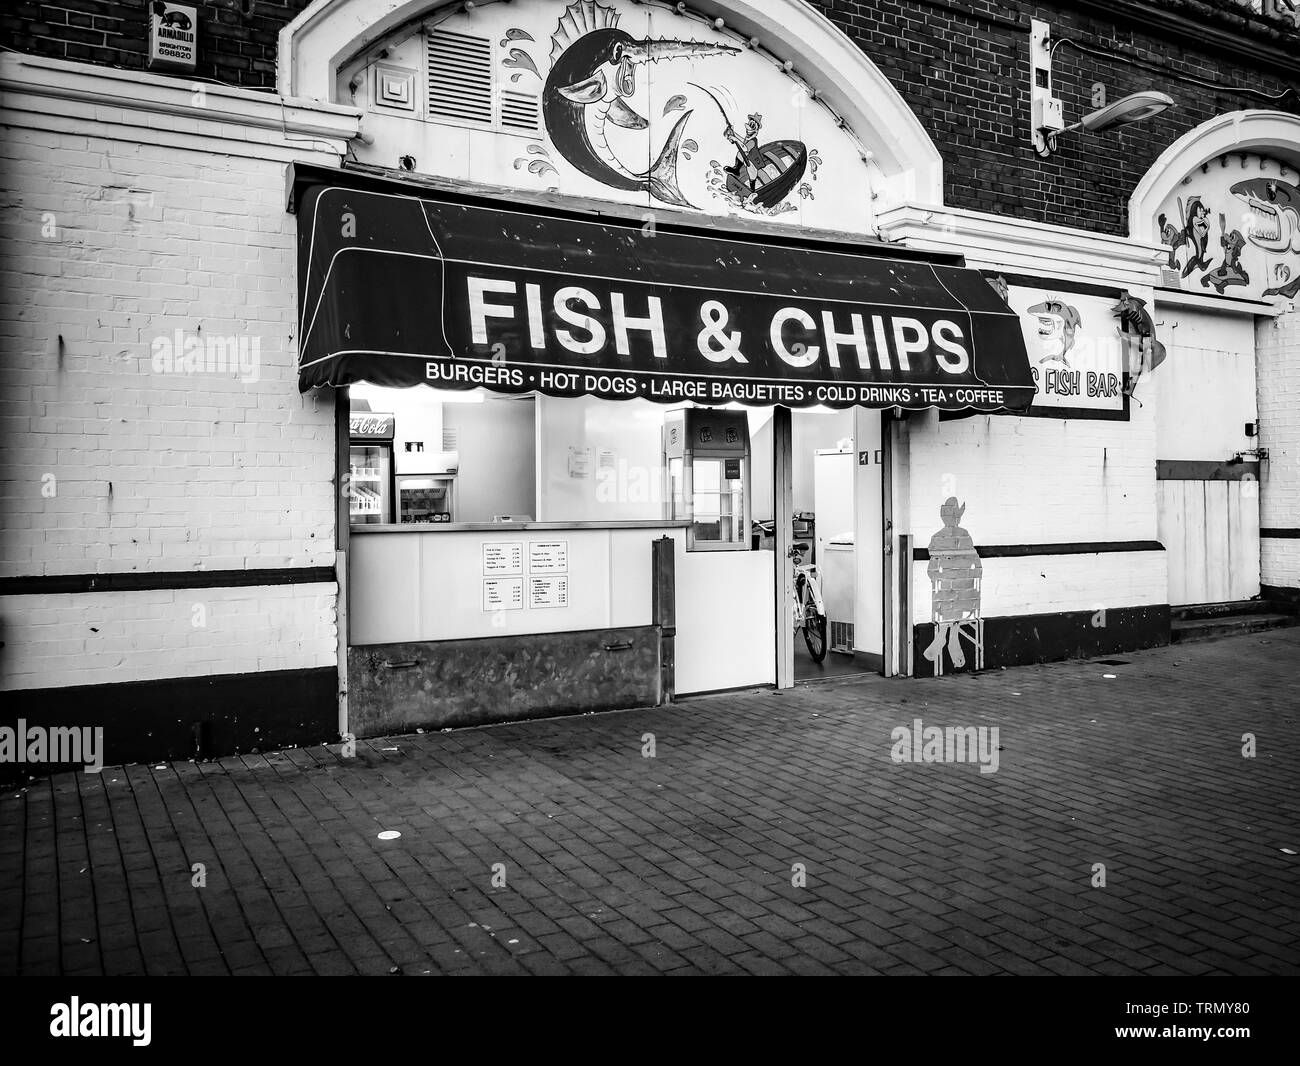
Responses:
[1260,255]
[762,175]
[1057,324]
[1230,271]
[1275,210]
[955,575]
[597,68]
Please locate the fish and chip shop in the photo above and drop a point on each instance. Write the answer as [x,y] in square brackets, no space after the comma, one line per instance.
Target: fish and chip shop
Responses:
[648,310]
[609,320]
[588,492]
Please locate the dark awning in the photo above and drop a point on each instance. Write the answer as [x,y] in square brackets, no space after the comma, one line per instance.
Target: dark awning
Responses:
[399,289]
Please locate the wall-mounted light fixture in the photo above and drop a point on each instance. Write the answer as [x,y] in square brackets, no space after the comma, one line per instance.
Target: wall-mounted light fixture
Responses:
[1048,121]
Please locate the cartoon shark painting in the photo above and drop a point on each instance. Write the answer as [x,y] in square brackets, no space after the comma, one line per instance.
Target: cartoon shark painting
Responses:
[1275,227]
[594,71]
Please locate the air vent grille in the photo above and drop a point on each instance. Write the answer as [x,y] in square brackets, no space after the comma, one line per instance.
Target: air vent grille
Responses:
[520,111]
[460,77]
[450,439]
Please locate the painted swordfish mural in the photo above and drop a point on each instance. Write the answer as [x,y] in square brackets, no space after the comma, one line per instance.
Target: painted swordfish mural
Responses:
[594,71]
[646,101]
[638,103]
[1257,250]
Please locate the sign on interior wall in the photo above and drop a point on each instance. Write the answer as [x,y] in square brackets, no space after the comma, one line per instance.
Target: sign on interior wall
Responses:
[1075,347]
[1232,228]
[173,36]
[627,101]
[370,425]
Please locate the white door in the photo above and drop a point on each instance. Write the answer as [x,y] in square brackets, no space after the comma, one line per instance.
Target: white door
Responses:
[1207,502]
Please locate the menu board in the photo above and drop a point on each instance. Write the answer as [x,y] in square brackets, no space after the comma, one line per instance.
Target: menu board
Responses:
[548,556]
[548,591]
[504,558]
[503,594]
[503,575]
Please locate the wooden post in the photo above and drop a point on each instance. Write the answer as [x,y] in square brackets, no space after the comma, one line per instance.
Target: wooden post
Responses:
[782,538]
[663,612]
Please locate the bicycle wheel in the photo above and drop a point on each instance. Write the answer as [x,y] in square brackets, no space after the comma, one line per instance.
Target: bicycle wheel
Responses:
[814,625]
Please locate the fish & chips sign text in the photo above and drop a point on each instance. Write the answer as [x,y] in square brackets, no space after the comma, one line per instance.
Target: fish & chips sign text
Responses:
[665,342]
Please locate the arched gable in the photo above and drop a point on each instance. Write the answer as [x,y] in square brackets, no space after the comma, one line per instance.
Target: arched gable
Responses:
[1225,201]
[824,120]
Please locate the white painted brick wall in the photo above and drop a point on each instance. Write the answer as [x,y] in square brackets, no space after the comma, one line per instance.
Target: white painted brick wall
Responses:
[116,236]
[1043,481]
[1277,342]
[91,638]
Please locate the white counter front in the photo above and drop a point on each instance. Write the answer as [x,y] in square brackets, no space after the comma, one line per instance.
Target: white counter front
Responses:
[452,584]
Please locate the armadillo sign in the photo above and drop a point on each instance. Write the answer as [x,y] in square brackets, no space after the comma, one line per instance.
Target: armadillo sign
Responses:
[457,293]
[173,36]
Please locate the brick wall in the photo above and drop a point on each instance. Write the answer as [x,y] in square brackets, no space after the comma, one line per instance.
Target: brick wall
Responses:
[237,38]
[964,71]
[961,67]
[118,238]
[1278,345]
[114,462]
[106,637]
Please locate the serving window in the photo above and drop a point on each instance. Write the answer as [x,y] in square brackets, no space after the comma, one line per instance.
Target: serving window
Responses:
[475,457]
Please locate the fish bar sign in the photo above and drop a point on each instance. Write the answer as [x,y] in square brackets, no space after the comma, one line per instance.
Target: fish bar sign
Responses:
[173,36]
[400,290]
[1076,351]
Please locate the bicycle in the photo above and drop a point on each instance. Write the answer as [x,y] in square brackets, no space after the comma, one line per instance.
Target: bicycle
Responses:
[809,608]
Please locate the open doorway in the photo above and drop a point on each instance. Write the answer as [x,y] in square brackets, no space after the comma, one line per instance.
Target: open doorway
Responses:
[834,578]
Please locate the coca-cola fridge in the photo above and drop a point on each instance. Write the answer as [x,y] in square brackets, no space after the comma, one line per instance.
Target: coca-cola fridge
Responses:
[370,467]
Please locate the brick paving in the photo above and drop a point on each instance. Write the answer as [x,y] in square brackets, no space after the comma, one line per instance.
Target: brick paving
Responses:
[682,863]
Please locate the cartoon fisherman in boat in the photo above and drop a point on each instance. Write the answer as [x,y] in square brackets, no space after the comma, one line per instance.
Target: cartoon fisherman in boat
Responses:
[748,164]
[763,174]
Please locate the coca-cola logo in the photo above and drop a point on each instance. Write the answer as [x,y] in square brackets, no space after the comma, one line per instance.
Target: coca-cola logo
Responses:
[370,425]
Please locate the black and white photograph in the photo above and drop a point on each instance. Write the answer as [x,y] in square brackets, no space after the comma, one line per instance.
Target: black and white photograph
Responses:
[613,488]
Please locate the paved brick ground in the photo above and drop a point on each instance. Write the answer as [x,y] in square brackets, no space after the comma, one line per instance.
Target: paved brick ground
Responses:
[682,863]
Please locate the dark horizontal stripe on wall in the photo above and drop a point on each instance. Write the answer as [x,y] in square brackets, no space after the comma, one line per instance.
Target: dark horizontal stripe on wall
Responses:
[1205,470]
[1017,551]
[1279,533]
[1018,640]
[155,581]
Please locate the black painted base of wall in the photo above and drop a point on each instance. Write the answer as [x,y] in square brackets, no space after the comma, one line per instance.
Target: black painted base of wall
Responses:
[1020,640]
[150,721]
[397,688]
[1281,598]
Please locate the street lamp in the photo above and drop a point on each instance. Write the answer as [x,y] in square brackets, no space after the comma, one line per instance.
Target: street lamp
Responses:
[1132,108]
